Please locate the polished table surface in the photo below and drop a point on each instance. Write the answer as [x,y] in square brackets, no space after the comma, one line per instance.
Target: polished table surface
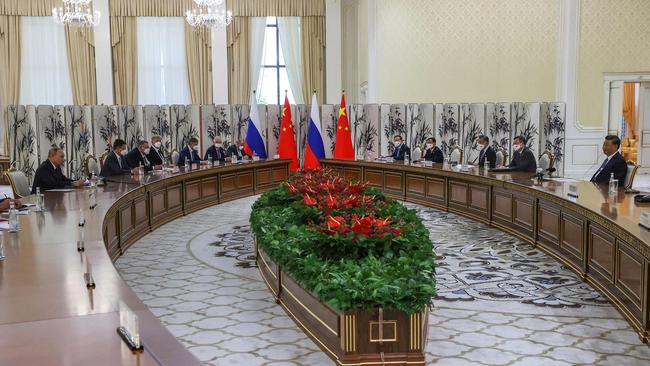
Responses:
[47,315]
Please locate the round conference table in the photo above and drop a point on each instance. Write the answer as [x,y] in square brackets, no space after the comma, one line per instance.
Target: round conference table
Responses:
[49,316]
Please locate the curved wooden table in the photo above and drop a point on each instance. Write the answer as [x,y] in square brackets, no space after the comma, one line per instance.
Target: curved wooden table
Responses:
[595,235]
[49,317]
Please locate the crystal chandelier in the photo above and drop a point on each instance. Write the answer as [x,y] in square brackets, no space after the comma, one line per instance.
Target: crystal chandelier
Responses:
[211,13]
[76,13]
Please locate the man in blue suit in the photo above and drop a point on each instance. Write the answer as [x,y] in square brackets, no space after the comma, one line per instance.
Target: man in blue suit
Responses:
[190,152]
[614,163]
[401,150]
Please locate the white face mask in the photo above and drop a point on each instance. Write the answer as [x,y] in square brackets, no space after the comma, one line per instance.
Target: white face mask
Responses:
[157,144]
[146,151]
[398,143]
[196,148]
[429,146]
[123,152]
[516,147]
[218,145]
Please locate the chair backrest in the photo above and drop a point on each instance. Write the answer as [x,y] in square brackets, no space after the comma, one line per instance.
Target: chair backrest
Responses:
[91,166]
[102,158]
[546,160]
[630,174]
[19,183]
[175,155]
[456,155]
[502,157]
[417,154]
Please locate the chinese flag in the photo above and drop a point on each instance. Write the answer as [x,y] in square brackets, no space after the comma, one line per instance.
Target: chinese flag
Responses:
[343,149]
[287,140]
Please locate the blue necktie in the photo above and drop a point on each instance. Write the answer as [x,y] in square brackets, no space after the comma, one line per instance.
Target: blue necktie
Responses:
[599,169]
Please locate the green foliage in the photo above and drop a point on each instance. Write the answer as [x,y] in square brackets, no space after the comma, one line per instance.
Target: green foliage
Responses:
[348,272]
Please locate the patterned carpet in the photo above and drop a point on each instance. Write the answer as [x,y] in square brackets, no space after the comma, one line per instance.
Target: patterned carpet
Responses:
[500,302]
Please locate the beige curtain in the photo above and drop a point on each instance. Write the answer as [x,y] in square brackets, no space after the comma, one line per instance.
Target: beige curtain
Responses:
[9,70]
[279,8]
[198,52]
[33,8]
[238,60]
[81,62]
[312,37]
[629,108]
[125,59]
[312,13]
[150,8]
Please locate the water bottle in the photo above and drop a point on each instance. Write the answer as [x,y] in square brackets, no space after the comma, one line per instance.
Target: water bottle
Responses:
[93,180]
[407,159]
[210,160]
[486,165]
[613,185]
[233,159]
[2,249]
[39,200]
[188,166]
[140,169]
[13,218]
[92,198]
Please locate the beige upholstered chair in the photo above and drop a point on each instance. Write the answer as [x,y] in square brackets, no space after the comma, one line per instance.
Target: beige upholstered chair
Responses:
[631,173]
[91,166]
[175,156]
[546,160]
[456,155]
[102,158]
[502,157]
[19,183]
[417,154]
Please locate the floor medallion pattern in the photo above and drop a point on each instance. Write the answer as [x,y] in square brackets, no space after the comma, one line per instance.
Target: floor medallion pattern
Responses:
[500,301]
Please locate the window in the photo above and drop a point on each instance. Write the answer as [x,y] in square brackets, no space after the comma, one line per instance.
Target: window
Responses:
[43,82]
[162,67]
[273,79]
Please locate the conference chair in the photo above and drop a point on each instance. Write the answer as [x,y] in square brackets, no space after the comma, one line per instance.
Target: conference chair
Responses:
[456,155]
[175,156]
[546,160]
[19,183]
[91,166]
[631,173]
[502,157]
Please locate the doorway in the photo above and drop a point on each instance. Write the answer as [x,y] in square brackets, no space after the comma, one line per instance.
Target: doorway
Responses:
[627,112]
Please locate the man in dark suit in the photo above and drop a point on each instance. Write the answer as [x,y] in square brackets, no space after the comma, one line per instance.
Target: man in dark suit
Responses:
[190,152]
[523,160]
[115,162]
[138,157]
[237,150]
[49,174]
[401,150]
[216,151]
[614,163]
[487,152]
[156,154]
[433,152]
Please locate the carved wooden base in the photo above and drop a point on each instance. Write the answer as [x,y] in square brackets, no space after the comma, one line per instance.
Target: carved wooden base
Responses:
[367,338]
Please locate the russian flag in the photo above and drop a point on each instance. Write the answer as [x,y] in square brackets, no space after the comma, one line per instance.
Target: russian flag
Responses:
[315,150]
[254,140]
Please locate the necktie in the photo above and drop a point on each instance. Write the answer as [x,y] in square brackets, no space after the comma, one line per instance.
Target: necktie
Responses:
[599,169]
[146,161]
[119,161]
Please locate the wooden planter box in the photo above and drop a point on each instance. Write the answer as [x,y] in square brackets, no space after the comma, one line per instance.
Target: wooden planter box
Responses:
[361,337]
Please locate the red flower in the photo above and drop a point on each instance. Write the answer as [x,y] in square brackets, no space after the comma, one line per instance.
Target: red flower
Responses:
[382,222]
[363,226]
[291,188]
[335,222]
[308,200]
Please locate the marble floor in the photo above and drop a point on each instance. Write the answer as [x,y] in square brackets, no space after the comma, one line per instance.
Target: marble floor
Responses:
[500,301]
